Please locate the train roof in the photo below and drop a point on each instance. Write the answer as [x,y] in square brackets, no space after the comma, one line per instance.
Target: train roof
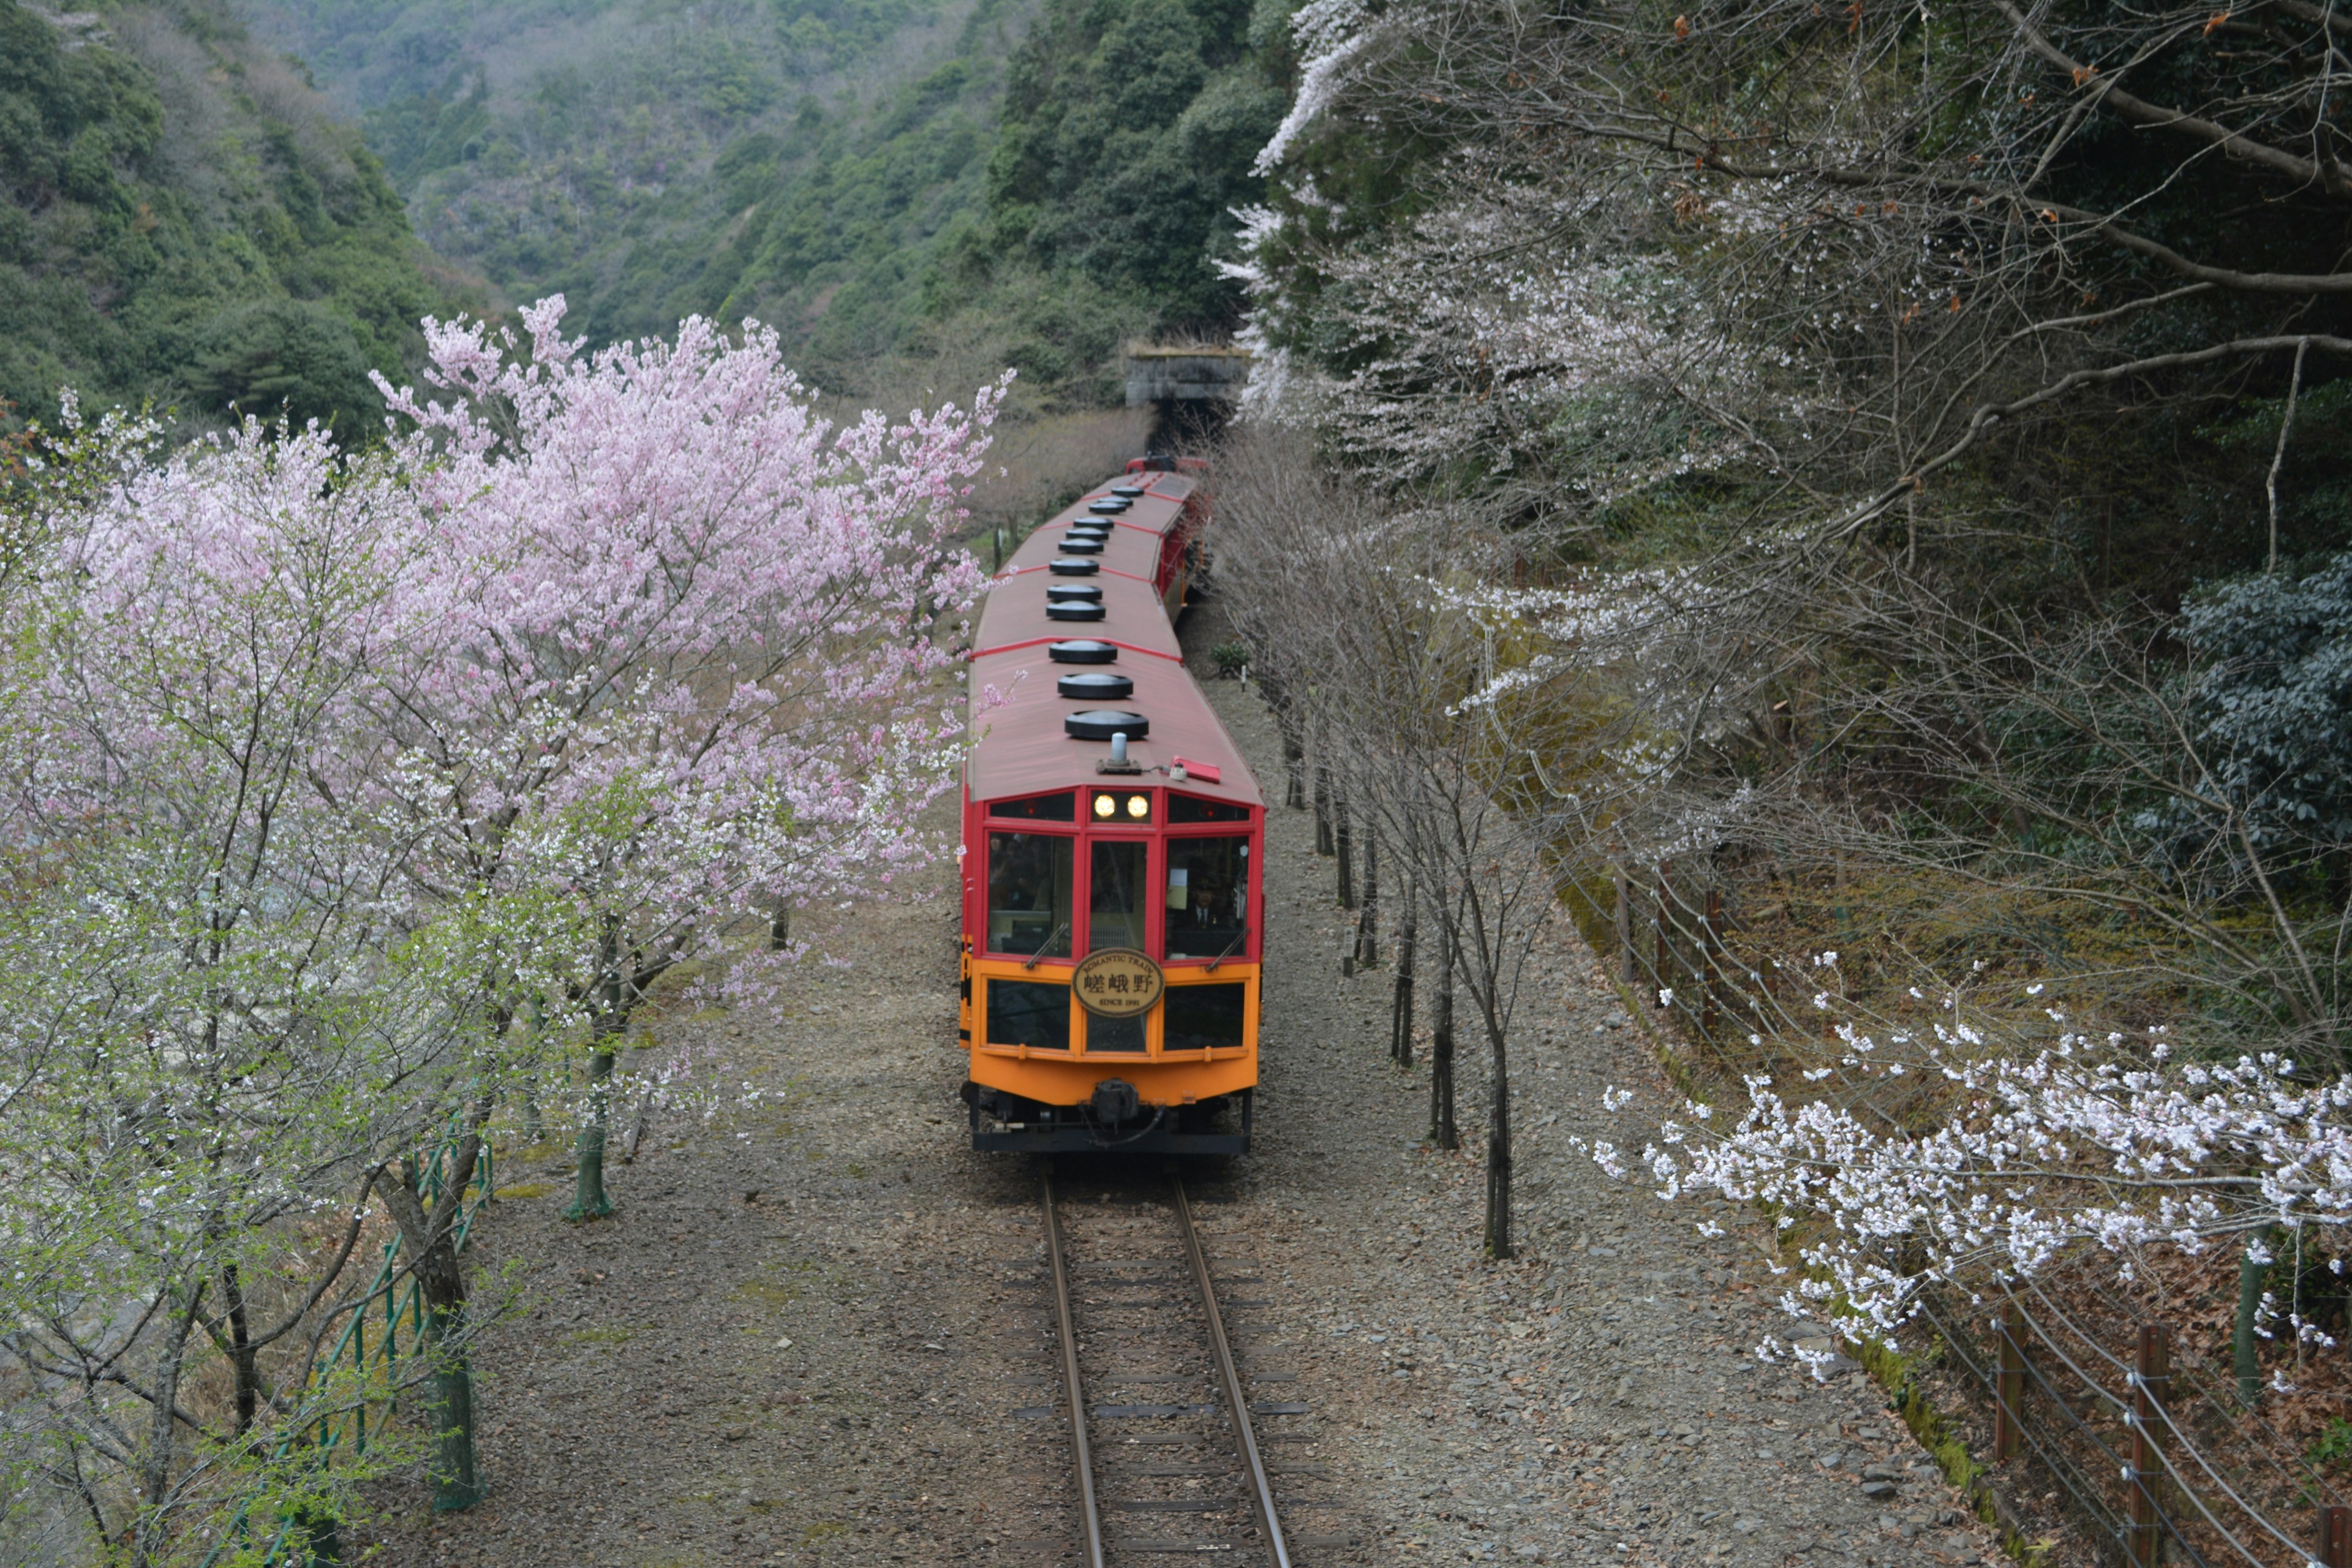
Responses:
[1021,747]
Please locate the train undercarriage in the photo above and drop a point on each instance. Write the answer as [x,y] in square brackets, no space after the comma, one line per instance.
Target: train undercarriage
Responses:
[1114,1119]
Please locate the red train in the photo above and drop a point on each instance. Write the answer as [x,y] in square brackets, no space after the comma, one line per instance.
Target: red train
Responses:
[1113,838]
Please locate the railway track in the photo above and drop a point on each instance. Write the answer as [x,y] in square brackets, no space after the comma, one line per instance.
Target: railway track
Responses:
[1167,1456]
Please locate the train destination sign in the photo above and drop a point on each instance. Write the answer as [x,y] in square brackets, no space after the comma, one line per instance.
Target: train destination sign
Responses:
[1118,982]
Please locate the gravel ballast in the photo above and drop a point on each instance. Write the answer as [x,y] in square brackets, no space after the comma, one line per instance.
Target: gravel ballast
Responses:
[818,1331]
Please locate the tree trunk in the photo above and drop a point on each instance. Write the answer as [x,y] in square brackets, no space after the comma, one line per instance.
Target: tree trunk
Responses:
[1343,839]
[241,1350]
[1401,1010]
[1368,927]
[1442,1131]
[780,928]
[151,1534]
[534,1120]
[1323,840]
[432,1245]
[2245,1343]
[323,1536]
[1627,963]
[457,1476]
[1498,1151]
[588,1198]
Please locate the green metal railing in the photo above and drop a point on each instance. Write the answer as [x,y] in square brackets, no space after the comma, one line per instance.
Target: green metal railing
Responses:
[292,1540]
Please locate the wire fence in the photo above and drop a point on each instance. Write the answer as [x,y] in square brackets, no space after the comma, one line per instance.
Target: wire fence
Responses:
[2141,1431]
[386,1332]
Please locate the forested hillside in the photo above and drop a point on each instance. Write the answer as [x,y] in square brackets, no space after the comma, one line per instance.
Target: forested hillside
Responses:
[1862,488]
[832,169]
[186,222]
[897,186]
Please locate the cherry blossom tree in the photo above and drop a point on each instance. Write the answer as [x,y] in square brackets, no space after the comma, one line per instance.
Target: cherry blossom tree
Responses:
[683,666]
[2046,1141]
[1843,254]
[206,1041]
[324,767]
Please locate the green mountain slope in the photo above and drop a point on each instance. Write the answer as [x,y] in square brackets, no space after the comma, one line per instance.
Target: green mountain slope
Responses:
[832,167]
[1128,131]
[186,220]
[795,160]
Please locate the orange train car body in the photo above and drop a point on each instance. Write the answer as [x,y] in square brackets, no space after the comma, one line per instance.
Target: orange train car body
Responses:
[1113,841]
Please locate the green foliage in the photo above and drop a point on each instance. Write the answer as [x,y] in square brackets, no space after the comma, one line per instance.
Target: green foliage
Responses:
[184,222]
[869,176]
[1127,136]
[2334,1445]
[798,162]
[2276,700]
[265,354]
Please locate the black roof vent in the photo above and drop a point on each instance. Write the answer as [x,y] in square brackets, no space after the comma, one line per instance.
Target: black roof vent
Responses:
[1083,544]
[1102,723]
[1070,566]
[1073,593]
[1093,526]
[1097,686]
[1110,508]
[1084,650]
[1073,612]
[1128,491]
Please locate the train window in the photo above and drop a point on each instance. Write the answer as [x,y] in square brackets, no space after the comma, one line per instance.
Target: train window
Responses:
[1114,1034]
[1208,896]
[1060,807]
[1203,1018]
[1029,893]
[1115,915]
[1192,808]
[1024,1012]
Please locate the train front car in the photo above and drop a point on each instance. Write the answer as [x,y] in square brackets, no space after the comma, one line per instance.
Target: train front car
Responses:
[1113,840]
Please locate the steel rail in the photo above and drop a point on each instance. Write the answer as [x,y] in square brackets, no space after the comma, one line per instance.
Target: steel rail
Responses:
[1080,1450]
[1229,1375]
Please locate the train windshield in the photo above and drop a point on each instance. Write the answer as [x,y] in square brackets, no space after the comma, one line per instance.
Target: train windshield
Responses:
[1029,893]
[1116,916]
[1208,896]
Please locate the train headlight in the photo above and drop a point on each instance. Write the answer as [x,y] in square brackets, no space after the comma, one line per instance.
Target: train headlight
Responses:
[1105,806]
[1138,807]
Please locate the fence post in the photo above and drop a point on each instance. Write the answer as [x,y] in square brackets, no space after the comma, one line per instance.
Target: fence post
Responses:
[359,1370]
[1710,973]
[1664,965]
[2151,1386]
[2009,1385]
[2335,1539]
[1625,925]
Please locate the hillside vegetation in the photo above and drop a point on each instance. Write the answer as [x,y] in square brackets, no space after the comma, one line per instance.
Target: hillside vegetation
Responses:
[834,169]
[185,221]
[1863,485]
